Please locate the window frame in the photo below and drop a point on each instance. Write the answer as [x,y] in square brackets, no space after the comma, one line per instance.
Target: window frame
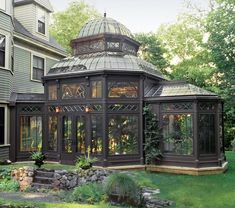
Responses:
[40,10]
[32,68]
[4,51]
[6,130]
[1,8]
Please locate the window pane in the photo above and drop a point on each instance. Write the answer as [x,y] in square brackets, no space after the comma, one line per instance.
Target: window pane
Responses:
[30,133]
[37,74]
[73,91]
[96,138]
[67,134]
[2,50]
[38,68]
[41,27]
[206,133]
[122,89]
[81,134]
[52,92]
[96,89]
[178,133]
[41,21]
[123,135]
[52,126]
[2,126]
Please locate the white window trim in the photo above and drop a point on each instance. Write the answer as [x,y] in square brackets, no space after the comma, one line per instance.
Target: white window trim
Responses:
[7,50]
[4,9]
[40,56]
[6,124]
[46,25]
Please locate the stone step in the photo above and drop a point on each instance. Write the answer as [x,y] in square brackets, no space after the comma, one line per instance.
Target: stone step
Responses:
[42,173]
[41,186]
[43,180]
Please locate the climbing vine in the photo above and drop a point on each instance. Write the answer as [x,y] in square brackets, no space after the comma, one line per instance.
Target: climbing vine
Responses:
[153,137]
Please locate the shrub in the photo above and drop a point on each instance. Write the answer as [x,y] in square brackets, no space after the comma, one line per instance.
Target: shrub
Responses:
[122,189]
[5,173]
[88,193]
[9,185]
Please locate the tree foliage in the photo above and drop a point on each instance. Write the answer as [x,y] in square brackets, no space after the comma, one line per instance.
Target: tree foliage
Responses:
[151,50]
[67,24]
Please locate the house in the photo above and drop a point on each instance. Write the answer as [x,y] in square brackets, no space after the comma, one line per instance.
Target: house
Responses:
[27,52]
[94,100]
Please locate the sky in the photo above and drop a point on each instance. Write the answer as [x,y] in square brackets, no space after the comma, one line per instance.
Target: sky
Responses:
[136,15]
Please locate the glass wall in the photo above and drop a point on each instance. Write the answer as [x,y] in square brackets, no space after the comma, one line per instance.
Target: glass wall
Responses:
[52,92]
[206,133]
[178,133]
[30,133]
[96,89]
[96,134]
[67,134]
[123,134]
[122,89]
[81,134]
[53,133]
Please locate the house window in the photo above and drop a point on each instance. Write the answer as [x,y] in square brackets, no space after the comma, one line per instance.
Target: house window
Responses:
[3,5]
[178,133]
[123,135]
[2,125]
[2,50]
[30,133]
[38,68]
[96,89]
[41,21]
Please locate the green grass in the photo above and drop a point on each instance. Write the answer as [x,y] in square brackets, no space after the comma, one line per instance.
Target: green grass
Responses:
[214,191]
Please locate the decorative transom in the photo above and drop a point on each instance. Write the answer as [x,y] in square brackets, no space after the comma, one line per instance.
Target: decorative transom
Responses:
[206,106]
[31,109]
[122,107]
[176,106]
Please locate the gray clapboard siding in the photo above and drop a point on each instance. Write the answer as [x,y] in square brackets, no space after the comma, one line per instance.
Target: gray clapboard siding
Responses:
[4,152]
[22,73]
[5,22]
[50,63]
[5,84]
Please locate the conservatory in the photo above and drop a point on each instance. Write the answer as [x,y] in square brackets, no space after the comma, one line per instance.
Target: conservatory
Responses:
[94,102]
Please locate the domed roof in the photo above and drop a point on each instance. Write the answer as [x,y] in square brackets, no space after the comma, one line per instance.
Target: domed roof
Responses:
[104,61]
[104,25]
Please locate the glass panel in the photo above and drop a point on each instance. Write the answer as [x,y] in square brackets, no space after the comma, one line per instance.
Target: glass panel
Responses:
[2,50]
[67,134]
[96,89]
[178,133]
[53,133]
[96,138]
[30,133]
[206,133]
[2,125]
[38,68]
[52,92]
[122,89]
[73,91]
[177,106]
[123,135]
[81,134]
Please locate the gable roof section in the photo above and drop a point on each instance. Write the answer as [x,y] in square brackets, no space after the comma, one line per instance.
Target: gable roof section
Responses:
[43,3]
[19,28]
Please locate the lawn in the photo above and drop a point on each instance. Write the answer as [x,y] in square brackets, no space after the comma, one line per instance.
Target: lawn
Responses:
[214,191]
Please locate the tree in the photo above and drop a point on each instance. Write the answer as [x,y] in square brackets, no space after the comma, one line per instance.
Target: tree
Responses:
[67,24]
[221,26]
[151,50]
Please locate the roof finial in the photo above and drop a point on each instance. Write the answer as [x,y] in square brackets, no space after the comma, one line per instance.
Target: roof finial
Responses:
[105,14]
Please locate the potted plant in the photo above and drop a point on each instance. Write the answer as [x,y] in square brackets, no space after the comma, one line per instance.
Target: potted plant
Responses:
[85,162]
[38,157]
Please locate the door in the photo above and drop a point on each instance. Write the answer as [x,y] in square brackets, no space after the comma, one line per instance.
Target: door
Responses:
[73,137]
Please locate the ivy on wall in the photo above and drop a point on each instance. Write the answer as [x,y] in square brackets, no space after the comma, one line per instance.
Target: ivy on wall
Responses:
[153,137]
